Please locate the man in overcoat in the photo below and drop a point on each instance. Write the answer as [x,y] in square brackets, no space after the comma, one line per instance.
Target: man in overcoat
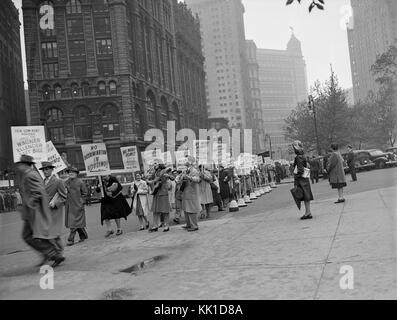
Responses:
[74,210]
[191,195]
[36,213]
[56,192]
[351,162]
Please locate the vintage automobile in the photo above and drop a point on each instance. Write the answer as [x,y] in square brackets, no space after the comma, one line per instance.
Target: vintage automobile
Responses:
[382,159]
[392,150]
[362,160]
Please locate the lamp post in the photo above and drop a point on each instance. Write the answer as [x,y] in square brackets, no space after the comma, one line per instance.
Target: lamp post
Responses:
[270,144]
[312,108]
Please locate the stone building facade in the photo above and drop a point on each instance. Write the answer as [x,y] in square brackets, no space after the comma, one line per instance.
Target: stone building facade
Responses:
[106,72]
[12,101]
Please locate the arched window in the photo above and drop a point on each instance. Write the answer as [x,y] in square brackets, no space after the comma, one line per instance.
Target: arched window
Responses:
[82,124]
[110,122]
[139,122]
[151,101]
[75,90]
[46,92]
[86,89]
[54,125]
[73,6]
[102,88]
[58,91]
[112,87]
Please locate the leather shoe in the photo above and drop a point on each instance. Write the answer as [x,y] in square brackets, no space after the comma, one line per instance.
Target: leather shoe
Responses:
[309,216]
[57,261]
[153,229]
[166,229]
[192,229]
[340,201]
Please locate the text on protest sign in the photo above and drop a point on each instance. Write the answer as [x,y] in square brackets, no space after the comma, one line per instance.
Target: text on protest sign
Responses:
[29,140]
[95,159]
[130,158]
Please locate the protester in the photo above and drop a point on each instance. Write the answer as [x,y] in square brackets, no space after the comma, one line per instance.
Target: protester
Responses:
[74,209]
[351,162]
[224,179]
[140,201]
[216,191]
[161,204]
[36,213]
[171,193]
[336,172]
[114,206]
[205,191]
[191,195]
[178,196]
[300,163]
[57,194]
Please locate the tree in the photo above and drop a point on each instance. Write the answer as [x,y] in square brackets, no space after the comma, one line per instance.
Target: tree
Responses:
[332,113]
[315,3]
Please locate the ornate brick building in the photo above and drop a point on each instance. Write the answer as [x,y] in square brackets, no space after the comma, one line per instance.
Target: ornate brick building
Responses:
[191,67]
[107,71]
[12,101]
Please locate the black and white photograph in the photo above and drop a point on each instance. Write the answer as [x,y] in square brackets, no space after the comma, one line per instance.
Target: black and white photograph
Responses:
[198,153]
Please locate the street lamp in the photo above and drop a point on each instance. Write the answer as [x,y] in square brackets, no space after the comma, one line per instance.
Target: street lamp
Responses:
[270,143]
[312,108]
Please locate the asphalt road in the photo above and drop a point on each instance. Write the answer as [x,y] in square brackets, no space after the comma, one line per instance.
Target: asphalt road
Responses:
[11,224]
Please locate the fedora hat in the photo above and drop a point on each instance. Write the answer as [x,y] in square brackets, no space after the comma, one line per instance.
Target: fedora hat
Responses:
[73,169]
[46,164]
[26,159]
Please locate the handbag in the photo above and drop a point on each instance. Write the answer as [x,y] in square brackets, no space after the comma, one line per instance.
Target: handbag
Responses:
[306,172]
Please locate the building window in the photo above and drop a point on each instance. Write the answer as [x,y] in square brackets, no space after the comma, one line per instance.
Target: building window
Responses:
[105,67]
[77,48]
[104,46]
[47,92]
[73,6]
[102,88]
[86,89]
[54,115]
[75,90]
[58,92]
[55,125]
[78,68]
[55,134]
[101,25]
[50,70]
[100,5]
[110,122]
[82,124]
[113,87]
[75,27]
[49,50]
[139,122]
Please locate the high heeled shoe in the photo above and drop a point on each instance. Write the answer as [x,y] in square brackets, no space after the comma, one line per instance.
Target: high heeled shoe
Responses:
[153,229]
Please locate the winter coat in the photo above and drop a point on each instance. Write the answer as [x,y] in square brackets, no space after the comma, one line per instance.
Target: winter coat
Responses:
[335,169]
[74,210]
[34,209]
[191,192]
[205,188]
[142,193]
[57,194]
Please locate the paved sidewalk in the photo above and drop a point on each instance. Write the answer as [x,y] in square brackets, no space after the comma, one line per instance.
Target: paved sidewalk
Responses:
[269,255]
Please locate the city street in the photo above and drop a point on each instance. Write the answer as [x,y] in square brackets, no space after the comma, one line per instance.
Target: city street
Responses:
[261,252]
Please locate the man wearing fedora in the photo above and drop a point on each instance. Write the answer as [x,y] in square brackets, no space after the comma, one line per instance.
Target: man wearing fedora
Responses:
[36,214]
[74,210]
[56,192]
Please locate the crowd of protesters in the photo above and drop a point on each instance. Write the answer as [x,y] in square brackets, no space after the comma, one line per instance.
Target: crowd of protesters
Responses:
[9,200]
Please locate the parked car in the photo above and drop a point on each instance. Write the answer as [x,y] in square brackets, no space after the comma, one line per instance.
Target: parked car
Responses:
[362,160]
[392,150]
[382,159]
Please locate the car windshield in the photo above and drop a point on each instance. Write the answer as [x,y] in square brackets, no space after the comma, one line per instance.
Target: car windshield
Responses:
[376,152]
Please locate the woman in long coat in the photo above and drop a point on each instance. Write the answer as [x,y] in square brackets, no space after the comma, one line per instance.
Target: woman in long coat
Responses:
[74,208]
[301,182]
[336,173]
[224,179]
[206,198]
[114,206]
[140,201]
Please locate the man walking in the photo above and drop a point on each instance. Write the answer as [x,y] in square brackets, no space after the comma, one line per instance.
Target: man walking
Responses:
[56,192]
[350,162]
[74,211]
[36,213]
[314,169]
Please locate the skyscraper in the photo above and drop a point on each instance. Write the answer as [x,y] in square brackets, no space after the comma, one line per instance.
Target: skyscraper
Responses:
[12,101]
[371,31]
[223,35]
[283,83]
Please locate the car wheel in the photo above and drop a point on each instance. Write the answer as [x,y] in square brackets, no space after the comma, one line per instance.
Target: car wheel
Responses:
[381,165]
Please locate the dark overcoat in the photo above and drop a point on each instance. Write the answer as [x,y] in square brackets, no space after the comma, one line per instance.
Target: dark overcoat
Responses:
[74,209]
[56,191]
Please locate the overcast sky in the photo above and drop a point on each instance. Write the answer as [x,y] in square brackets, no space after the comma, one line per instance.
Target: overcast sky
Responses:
[322,34]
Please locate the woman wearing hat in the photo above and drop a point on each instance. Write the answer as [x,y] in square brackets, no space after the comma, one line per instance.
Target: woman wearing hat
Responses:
[114,206]
[74,209]
[300,163]
[140,201]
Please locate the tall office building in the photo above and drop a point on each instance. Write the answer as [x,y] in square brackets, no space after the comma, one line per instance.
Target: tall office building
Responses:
[106,72]
[12,102]
[283,83]
[371,31]
[223,35]
[256,112]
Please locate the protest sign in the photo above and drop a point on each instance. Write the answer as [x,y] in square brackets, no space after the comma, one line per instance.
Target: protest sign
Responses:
[95,159]
[55,158]
[219,154]
[130,158]
[29,140]
[180,159]
[151,157]
[200,151]
[168,159]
